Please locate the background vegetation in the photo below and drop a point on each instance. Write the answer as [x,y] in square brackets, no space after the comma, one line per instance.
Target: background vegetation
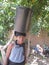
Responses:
[40,17]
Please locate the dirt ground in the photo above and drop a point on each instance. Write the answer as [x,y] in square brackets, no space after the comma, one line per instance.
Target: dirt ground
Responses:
[35,59]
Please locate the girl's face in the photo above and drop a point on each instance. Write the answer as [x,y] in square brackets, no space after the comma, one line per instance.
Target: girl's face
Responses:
[20,39]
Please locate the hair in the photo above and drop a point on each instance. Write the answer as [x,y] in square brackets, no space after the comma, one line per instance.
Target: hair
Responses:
[19,34]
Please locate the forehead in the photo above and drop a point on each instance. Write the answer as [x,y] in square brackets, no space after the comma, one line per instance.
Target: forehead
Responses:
[20,36]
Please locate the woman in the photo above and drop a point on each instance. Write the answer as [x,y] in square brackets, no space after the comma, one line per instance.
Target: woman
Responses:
[15,52]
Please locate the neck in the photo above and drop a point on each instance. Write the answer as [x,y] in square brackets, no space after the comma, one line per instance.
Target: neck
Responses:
[17,43]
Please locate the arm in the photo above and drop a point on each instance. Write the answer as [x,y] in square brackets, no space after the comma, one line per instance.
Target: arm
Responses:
[5,46]
[8,51]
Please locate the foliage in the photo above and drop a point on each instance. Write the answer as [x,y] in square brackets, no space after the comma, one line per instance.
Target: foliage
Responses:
[6,19]
[40,17]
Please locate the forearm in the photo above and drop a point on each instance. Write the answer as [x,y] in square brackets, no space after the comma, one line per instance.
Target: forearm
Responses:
[5,62]
[4,58]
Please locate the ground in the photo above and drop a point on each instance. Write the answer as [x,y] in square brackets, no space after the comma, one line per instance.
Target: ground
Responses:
[36,59]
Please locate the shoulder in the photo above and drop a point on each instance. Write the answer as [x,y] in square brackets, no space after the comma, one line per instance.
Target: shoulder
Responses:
[11,45]
[9,48]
